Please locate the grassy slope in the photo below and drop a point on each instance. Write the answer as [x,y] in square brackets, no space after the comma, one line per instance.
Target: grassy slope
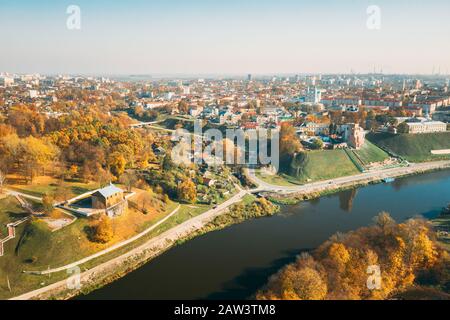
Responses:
[324,165]
[40,248]
[415,148]
[369,153]
[10,211]
[276,180]
[46,185]
[61,249]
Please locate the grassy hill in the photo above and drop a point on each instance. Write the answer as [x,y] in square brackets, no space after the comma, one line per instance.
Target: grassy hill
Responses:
[413,147]
[322,165]
[370,153]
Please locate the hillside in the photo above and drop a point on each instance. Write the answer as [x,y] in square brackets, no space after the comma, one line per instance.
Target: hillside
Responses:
[414,148]
[322,165]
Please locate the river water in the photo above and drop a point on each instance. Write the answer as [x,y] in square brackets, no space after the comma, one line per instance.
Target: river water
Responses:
[235,262]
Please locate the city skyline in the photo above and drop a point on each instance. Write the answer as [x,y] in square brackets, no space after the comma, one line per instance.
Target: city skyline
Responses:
[197,37]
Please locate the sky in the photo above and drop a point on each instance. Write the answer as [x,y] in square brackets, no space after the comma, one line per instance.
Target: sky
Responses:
[224,37]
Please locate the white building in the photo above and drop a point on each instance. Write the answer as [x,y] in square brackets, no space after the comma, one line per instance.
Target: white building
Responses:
[312,128]
[33,94]
[169,95]
[6,81]
[426,127]
[313,95]
[186,90]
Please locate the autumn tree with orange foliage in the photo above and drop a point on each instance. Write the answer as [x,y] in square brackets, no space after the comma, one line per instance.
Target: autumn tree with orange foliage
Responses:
[103,232]
[289,142]
[337,270]
[187,191]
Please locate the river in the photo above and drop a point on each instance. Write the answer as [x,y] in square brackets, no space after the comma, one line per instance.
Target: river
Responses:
[235,262]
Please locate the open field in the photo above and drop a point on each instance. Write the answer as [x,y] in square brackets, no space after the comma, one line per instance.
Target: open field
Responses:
[47,185]
[414,147]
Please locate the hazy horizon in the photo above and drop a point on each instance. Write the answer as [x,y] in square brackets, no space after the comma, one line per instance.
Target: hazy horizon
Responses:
[198,37]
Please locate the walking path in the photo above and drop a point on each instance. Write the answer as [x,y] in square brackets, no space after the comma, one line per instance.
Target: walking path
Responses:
[343,181]
[12,226]
[150,249]
[158,244]
[108,250]
[21,194]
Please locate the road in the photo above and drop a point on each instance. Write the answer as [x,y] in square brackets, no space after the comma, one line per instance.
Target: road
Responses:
[144,124]
[159,244]
[367,176]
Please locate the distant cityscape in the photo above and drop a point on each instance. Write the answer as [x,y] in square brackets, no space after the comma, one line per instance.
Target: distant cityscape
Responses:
[310,102]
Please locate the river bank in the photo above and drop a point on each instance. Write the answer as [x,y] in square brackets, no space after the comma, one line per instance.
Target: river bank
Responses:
[234,262]
[332,187]
[116,268]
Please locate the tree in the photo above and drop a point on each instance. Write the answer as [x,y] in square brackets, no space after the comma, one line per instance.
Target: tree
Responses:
[317,144]
[403,128]
[183,107]
[168,164]
[2,180]
[384,220]
[289,142]
[35,154]
[6,130]
[48,203]
[72,172]
[187,191]
[129,179]
[63,192]
[102,176]
[306,284]
[117,163]
[103,230]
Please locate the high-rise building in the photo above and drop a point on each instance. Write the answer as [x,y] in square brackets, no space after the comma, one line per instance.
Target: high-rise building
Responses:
[249,77]
[313,95]
[6,81]
[417,84]
[186,90]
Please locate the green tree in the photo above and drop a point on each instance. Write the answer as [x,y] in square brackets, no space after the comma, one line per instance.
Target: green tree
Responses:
[168,164]
[403,128]
[317,144]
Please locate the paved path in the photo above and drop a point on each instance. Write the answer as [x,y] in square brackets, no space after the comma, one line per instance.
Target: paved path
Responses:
[108,250]
[145,124]
[156,245]
[160,243]
[12,226]
[370,175]
[21,194]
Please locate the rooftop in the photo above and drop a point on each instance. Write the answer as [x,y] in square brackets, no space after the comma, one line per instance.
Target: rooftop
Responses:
[109,191]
